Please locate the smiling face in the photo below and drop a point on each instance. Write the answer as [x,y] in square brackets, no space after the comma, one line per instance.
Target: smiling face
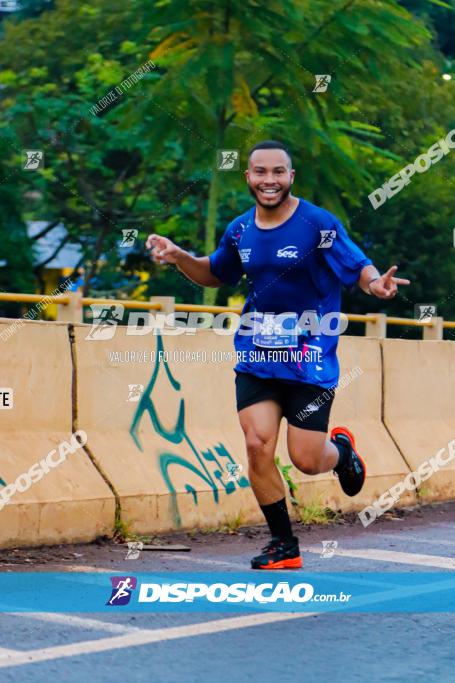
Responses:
[269,177]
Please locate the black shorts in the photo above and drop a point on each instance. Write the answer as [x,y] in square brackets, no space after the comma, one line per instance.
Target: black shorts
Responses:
[303,405]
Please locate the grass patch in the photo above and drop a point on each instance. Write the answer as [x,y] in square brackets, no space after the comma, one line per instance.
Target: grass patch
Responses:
[424,492]
[122,531]
[229,526]
[232,524]
[315,513]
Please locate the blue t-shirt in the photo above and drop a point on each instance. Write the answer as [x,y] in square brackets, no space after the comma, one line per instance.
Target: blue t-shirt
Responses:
[296,268]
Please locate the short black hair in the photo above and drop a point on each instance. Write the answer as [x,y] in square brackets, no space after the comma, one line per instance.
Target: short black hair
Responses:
[270,144]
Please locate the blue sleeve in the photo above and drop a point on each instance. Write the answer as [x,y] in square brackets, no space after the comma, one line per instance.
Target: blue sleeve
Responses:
[225,262]
[343,257]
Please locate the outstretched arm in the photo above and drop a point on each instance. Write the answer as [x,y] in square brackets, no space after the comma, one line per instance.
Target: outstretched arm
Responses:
[196,269]
[383,286]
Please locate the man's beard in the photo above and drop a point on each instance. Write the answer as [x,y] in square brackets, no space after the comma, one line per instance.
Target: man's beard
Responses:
[284,196]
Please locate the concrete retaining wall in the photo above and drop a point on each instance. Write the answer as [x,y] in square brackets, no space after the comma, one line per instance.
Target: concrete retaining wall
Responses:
[71,502]
[162,429]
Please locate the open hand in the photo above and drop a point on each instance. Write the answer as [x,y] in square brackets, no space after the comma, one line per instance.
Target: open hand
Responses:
[386,286]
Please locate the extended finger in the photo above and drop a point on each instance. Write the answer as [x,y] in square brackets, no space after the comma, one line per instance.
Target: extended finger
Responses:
[390,272]
[401,281]
[150,241]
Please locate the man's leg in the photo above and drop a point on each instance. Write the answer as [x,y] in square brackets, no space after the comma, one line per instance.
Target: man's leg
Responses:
[260,423]
[309,448]
[310,451]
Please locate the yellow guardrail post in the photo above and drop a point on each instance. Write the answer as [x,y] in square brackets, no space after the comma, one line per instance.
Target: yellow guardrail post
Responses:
[167,303]
[434,330]
[71,312]
[377,327]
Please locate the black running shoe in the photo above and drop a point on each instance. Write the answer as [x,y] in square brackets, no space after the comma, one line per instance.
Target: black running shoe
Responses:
[353,471]
[279,554]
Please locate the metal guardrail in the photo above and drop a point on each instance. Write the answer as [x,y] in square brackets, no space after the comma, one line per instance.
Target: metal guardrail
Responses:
[73,302]
[34,298]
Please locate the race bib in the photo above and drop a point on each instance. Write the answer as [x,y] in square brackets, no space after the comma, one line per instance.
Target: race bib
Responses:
[275,331]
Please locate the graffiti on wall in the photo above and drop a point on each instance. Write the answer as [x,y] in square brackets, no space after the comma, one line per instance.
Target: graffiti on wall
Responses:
[210,465]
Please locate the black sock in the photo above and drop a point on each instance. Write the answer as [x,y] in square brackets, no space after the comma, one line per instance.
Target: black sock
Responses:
[344,451]
[277,517]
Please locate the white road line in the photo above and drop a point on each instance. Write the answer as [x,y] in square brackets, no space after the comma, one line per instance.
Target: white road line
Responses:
[71,620]
[6,653]
[79,568]
[418,539]
[144,637]
[390,556]
[207,561]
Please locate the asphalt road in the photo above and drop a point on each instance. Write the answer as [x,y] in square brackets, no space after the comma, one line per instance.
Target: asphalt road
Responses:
[203,647]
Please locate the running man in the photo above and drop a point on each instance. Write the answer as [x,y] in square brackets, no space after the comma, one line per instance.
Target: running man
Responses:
[296,256]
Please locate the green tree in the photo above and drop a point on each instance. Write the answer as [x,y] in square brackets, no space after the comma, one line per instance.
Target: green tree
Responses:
[228,80]
[16,269]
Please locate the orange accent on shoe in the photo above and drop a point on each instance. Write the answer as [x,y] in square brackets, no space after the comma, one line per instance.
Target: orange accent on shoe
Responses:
[350,436]
[346,432]
[294,563]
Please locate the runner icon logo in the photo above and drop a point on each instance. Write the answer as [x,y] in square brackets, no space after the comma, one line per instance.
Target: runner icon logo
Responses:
[122,587]
[327,237]
[134,550]
[228,159]
[33,159]
[135,392]
[322,82]
[328,549]
[234,470]
[129,238]
[425,313]
[104,321]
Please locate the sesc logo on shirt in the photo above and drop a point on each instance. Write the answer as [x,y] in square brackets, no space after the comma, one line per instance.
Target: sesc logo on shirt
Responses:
[287,252]
[244,255]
